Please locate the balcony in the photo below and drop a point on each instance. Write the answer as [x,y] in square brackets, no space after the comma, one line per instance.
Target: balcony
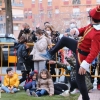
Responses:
[17,4]
[18,19]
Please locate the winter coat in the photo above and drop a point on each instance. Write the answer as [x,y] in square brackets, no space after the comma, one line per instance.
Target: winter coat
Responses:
[28,36]
[55,37]
[23,57]
[46,84]
[11,81]
[39,48]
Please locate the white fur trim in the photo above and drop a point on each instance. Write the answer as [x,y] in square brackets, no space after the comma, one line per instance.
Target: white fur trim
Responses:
[97,27]
[85,65]
[77,32]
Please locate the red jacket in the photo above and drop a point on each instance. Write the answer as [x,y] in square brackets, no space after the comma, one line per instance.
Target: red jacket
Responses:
[90,42]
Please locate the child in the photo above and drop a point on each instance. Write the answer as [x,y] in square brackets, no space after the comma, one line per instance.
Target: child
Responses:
[11,82]
[45,84]
[30,84]
[24,61]
[39,47]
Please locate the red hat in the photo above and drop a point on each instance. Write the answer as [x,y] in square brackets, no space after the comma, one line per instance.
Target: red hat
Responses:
[95,13]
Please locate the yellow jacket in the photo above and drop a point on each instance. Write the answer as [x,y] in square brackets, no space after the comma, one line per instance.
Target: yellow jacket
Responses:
[11,81]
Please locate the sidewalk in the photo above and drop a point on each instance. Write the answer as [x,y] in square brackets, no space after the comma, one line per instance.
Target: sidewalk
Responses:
[94,95]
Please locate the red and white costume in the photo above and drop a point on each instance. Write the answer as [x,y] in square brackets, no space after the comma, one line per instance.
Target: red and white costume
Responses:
[90,41]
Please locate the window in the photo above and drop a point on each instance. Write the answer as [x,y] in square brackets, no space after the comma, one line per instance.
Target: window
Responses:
[56,11]
[1,18]
[66,2]
[88,9]
[30,14]
[40,1]
[76,1]
[13,1]
[98,1]
[49,2]
[88,1]
[33,1]
[0,2]
[49,13]
[76,12]
[16,27]
[17,13]
[25,14]
[21,2]
[1,28]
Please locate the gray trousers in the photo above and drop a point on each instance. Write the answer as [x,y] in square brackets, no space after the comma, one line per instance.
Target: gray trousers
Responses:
[39,65]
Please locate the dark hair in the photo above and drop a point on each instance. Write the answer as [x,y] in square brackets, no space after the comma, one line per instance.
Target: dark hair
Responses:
[39,31]
[46,23]
[22,39]
[8,69]
[95,20]
[47,73]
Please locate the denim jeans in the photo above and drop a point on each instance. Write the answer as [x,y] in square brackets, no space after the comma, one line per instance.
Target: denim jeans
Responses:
[30,85]
[7,90]
[41,92]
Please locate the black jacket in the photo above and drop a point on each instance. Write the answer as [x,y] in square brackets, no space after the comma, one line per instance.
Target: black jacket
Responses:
[55,37]
[23,57]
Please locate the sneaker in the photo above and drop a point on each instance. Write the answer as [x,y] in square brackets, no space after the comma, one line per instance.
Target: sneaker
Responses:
[28,92]
[65,93]
[12,92]
[47,55]
[18,89]
[75,91]
[34,94]
[2,91]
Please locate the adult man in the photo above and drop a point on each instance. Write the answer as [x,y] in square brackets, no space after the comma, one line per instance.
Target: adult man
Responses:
[86,49]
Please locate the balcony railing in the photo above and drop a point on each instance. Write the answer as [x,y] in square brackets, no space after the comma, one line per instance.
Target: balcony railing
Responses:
[18,4]
[18,19]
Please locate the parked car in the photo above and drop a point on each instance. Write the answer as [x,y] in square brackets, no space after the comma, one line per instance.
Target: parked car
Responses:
[4,48]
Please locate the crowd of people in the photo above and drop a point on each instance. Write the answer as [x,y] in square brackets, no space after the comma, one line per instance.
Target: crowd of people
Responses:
[37,63]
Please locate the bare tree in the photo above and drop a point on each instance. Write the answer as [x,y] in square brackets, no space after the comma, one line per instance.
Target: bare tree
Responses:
[9,21]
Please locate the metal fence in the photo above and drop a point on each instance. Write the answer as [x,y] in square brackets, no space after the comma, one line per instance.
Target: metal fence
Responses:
[13,59]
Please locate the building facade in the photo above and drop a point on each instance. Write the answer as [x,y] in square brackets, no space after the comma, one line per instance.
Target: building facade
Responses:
[57,12]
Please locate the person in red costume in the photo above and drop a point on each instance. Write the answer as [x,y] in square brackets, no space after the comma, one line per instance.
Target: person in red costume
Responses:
[86,49]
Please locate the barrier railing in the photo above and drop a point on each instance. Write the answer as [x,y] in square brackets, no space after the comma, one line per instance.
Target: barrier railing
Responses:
[13,59]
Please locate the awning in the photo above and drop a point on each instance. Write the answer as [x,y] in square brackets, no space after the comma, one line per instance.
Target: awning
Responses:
[17,13]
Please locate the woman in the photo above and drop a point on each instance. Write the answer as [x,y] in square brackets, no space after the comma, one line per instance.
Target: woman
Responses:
[54,39]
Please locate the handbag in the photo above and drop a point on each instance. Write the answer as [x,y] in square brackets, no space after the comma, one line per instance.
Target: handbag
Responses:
[89,85]
[88,81]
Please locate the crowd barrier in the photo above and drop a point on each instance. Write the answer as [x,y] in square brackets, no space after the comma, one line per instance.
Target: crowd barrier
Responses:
[5,47]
